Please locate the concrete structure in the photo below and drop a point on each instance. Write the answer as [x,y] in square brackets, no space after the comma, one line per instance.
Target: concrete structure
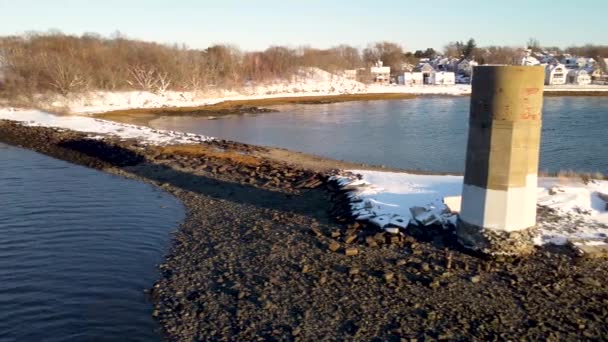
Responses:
[442,78]
[500,182]
[579,76]
[555,74]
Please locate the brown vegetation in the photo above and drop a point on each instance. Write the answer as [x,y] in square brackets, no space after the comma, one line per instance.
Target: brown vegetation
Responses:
[204,151]
[242,106]
[55,63]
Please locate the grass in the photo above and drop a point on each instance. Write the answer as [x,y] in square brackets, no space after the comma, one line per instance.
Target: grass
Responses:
[571,174]
[239,106]
[202,151]
[555,93]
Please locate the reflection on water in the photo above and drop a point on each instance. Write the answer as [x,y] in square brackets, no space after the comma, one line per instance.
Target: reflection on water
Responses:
[427,133]
[77,248]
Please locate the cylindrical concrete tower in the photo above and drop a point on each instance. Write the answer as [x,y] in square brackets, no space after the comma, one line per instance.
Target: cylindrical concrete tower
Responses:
[500,182]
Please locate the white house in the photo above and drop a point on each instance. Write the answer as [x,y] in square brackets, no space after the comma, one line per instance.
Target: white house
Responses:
[555,74]
[426,70]
[579,76]
[442,78]
[465,66]
[381,74]
[411,78]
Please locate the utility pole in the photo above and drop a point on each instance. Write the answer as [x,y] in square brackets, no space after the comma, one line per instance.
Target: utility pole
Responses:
[498,210]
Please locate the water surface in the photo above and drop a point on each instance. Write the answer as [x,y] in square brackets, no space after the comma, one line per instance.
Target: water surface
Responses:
[77,249]
[426,133]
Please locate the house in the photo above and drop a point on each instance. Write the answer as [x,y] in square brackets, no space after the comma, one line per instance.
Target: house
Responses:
[465,66]
[528,59]
[381,74]
[444,64]
[579,76]
[555,74]
[426,70]
[442,78]
[411,78]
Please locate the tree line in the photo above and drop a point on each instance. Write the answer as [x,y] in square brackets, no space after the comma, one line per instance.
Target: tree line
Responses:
[63,64]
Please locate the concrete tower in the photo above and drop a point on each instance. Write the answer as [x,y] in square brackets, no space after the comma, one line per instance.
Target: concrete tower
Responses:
[500,182]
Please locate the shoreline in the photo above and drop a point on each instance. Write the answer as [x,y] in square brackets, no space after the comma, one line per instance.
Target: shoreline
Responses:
[255,257]
[143,116]
[264,105]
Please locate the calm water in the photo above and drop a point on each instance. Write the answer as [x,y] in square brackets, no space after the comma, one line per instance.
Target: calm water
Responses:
[77,247]
[427,133]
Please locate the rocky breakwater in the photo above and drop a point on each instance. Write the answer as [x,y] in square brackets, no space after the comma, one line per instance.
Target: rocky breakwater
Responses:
[263,254]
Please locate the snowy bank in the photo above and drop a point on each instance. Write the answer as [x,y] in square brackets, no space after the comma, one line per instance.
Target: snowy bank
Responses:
[97,127]
[393,200]
[308,82]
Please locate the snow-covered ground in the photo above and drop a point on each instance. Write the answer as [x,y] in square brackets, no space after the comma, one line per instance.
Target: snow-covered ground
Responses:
[97,128]
[393,199]
[309,82]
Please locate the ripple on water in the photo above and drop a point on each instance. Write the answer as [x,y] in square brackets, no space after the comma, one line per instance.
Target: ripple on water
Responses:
[77,248]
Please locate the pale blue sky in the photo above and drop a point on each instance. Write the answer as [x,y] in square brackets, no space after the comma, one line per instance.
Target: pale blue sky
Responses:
[257,24]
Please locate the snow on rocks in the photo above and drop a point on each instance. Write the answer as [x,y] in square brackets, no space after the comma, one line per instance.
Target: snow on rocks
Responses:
[570,210]
[393,200]
[99,128]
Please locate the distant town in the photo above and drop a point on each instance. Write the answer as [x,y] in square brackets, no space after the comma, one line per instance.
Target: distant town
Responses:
[559,70]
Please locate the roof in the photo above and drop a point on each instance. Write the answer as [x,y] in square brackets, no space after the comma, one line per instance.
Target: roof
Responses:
[424,67]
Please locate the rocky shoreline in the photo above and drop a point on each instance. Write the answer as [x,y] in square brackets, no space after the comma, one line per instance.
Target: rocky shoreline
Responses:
[268,251]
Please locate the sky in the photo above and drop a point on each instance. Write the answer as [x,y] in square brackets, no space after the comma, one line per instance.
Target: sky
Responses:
[257,24]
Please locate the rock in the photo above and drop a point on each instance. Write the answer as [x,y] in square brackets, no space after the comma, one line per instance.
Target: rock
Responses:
[453,203]
[590,282]
[351,238]
[351,251]
[371,242]
[334,246]
[353,271]
[423,215]
[388,276]
[475,279]
[305,268]
[335,233]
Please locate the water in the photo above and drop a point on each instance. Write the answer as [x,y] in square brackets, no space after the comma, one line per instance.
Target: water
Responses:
[426,133]
[77,247]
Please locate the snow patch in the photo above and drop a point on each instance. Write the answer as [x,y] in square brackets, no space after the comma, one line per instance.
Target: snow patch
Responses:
[393,200]
[99,128]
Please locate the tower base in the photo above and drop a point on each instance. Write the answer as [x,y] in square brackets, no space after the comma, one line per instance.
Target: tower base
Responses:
[495,242]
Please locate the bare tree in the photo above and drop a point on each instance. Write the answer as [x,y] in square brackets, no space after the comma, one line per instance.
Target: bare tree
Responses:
[65,76]
[143,78]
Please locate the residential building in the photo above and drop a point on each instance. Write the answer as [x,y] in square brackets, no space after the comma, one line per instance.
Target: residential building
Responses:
[579,76]
[426,70]
[381,74]
[411,78]
[465,66]
[442,78]
[555,74]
